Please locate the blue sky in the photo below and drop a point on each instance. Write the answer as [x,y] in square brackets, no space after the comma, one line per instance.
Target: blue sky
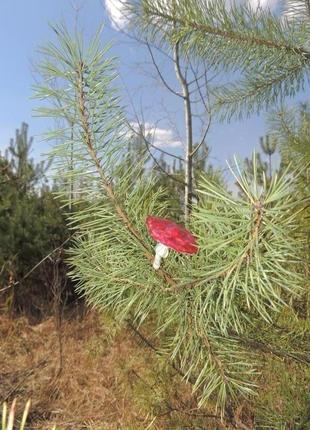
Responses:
[24,26]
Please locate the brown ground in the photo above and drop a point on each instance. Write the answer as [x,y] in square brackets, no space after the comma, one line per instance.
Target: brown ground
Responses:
[106,379]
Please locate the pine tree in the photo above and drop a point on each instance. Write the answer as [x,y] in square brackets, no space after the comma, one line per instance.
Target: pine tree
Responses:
[27,173]
[31,226]
[264,169]
[137,149]
[210,311]
[269,146]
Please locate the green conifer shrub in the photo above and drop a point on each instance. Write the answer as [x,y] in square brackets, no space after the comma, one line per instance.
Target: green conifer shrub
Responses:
[32,224]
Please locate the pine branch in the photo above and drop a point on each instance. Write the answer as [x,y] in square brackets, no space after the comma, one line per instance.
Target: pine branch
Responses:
[258,89]
[188,16]
[271,54]
[231,35]
[88,140]
[247,272]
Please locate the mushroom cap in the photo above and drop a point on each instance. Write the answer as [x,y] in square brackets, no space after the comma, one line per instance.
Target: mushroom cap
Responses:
[173,235]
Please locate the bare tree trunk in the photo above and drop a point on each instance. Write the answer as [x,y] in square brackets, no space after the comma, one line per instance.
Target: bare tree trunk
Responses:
[189,135]
[190,98]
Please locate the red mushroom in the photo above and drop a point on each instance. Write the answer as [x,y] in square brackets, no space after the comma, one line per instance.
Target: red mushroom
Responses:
[168,234]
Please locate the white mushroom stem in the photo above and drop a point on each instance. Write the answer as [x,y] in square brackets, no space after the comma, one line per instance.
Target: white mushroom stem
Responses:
[161,251]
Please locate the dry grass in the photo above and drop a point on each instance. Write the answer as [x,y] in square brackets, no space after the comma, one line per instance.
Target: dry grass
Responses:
[106,380]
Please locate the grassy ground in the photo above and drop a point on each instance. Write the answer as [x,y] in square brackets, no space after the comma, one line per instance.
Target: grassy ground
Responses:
[104,378]
[93,374]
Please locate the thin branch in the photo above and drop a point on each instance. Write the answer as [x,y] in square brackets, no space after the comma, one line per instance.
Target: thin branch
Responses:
[173,178]
[149,143]
[270,349]
[169,88]
[202,138]
[161,168]
[166,153]
[198,86]
[206,109]
[197,78]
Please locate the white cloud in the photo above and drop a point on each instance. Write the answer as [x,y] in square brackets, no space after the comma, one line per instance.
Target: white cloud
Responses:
[160,137]
[116,12]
